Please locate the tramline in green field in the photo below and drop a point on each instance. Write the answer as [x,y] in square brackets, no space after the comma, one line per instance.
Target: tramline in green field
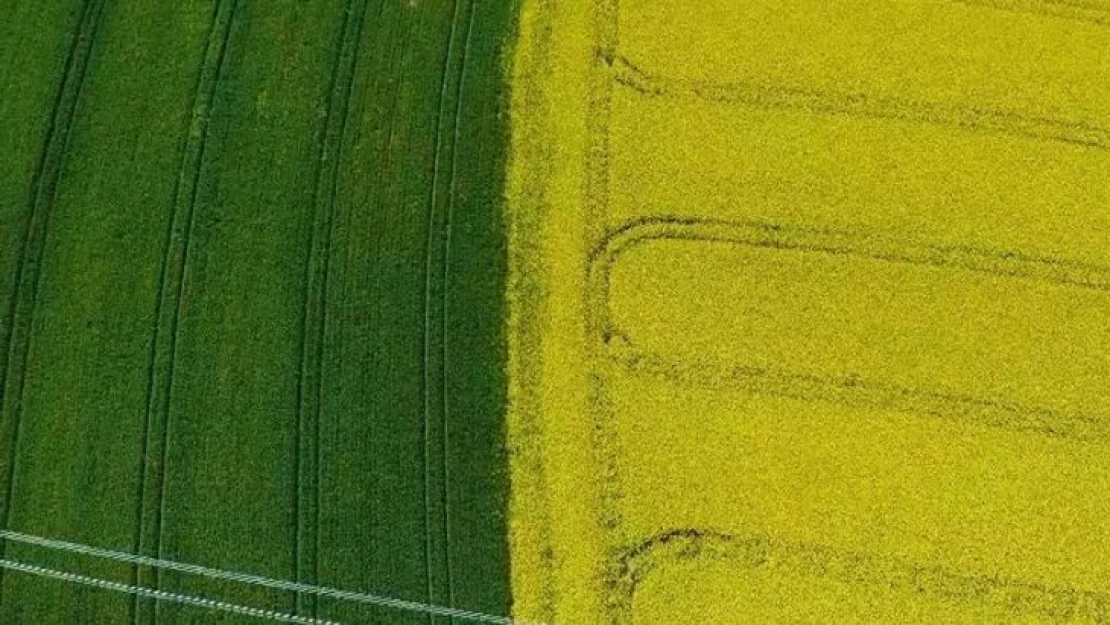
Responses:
[252,266]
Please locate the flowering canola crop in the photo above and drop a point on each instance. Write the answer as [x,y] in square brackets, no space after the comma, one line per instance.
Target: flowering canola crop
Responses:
[810,309]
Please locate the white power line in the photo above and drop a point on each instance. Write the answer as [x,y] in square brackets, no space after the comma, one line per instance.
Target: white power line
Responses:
[174,597]
[256,580]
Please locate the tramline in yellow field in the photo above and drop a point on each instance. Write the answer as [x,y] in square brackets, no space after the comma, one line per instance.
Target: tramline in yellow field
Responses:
[810,312]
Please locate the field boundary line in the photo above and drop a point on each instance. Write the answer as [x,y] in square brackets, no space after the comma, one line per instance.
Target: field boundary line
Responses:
[161,595]
[760,551]
[257,580]
[171,290]
[860,105]
[28,272]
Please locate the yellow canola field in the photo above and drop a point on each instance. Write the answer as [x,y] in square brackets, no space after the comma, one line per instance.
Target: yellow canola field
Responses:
[810,312]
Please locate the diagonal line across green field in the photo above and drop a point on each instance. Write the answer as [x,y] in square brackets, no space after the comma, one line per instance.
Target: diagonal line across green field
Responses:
[248,578]
[159,595]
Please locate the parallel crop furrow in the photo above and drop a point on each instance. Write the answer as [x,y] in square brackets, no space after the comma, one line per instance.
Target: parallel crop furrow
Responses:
[150,516]
[437,258]
[44,188]
[306,542]
[444,360]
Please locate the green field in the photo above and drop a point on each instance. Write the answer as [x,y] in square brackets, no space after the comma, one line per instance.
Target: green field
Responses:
[251,277]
